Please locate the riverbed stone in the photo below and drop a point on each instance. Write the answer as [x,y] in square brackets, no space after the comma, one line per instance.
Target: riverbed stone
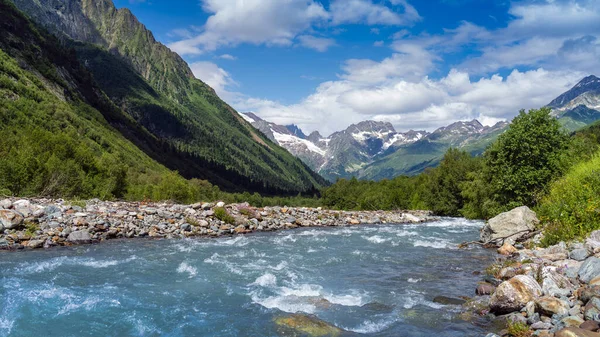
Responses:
[507,249]
[590,325]
[11,219]
[512,295]
[35,244]
[484,288]
[549,306]
[591,311]
[307,325]
[576,332]
[589,269]
[512,225]
[448,300]
[555,284]
[579,254]
[572,321]
[593,241]
[79,237]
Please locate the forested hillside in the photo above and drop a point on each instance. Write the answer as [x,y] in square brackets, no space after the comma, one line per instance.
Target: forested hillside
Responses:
[173,117]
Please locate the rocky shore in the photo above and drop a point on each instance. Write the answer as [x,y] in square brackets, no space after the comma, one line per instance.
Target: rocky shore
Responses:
[532,291]
[44,223]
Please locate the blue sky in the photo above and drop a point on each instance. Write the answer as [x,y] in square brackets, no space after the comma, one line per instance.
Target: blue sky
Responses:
[418,64]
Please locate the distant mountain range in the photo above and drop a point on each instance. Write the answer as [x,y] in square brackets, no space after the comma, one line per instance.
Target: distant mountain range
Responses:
[375,150]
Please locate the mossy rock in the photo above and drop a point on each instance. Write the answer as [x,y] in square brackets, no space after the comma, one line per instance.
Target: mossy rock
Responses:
[306,325]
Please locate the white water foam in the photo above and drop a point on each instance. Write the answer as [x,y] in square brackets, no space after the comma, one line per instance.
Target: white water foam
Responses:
[282,239]
[186,268]
[436,243]
[414,280]
[265,280]
[6,325]
[104,264]
[369,327]
[375,239]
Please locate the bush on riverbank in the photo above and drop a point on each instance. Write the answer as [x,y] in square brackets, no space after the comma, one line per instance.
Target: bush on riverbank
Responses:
[571,210]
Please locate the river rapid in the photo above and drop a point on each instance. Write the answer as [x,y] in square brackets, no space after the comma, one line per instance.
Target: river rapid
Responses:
[375,280]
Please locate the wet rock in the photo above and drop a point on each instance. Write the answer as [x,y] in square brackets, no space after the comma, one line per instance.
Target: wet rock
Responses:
[79,237]
[512,295]
[589,269]
[576,332]
[549,306]
[4,244]
[35,244]
[10,219]
[307,325]
[512,224]
[591,311]
[448,300]
[484,288]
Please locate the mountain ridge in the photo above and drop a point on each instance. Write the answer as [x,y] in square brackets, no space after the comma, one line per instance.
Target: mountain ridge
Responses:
[205,137]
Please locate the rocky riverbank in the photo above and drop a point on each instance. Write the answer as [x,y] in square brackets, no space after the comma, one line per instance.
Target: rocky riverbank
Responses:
[43,223]
[532,291]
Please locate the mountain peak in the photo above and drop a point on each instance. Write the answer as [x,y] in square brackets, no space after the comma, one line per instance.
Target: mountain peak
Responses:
[296,131]
[587,84]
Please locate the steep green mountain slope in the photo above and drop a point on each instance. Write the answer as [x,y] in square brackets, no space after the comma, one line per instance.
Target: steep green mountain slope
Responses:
[191,129]
[51,141]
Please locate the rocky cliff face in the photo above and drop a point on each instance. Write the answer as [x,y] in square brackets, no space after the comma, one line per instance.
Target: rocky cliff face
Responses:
[117,30]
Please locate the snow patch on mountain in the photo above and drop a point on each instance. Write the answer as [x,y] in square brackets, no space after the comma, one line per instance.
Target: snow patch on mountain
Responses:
[291,140]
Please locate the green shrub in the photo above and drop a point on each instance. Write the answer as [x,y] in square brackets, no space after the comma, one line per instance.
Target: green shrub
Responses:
[221,214]
[571,209]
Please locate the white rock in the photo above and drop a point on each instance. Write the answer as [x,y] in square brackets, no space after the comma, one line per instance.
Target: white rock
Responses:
[512,224]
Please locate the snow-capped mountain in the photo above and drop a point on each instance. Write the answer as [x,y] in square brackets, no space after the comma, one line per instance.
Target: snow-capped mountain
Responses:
[375,150]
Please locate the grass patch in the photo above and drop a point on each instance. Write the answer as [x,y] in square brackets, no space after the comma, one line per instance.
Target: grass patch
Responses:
[518,329]
[571,209]
[222,214]
[31,228]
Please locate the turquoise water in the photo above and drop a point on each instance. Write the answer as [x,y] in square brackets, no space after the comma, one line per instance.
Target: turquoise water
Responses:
[371,280]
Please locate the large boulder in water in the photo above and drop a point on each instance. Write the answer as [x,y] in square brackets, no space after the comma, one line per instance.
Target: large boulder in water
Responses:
[307,325]
[510,225]
[514,294]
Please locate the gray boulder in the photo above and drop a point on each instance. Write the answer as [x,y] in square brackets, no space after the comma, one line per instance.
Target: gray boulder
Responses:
[79,237]
[593,241]
[591,312]
[589,269]
[6,203]
[10,219]
[512,225]
[579,254]
[514,294]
